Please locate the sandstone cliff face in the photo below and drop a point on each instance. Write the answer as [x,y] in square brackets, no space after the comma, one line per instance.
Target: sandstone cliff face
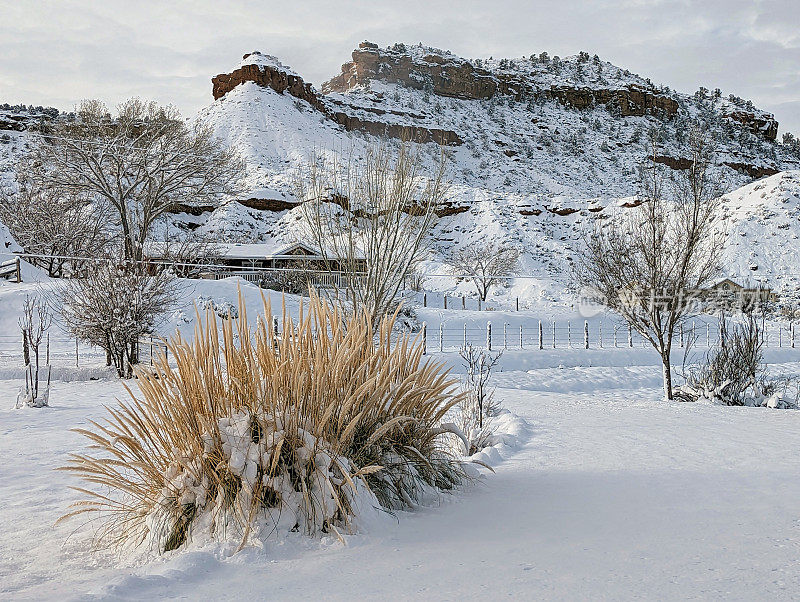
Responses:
[763,124]
[264,76]
[633,100]
[282,82]
[455,77]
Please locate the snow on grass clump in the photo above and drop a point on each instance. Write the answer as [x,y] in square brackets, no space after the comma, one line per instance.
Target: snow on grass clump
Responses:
[250,434]
[508,432]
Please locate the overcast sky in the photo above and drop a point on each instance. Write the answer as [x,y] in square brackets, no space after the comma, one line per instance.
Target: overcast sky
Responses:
[57,52]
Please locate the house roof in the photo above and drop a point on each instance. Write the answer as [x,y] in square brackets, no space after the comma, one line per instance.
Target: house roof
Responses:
[717,281]
[269,250]
[256,251]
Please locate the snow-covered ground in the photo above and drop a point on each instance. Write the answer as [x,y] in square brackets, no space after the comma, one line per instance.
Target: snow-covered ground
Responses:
[611,494]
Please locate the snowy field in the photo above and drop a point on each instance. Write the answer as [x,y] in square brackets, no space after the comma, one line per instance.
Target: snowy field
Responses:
[610,494]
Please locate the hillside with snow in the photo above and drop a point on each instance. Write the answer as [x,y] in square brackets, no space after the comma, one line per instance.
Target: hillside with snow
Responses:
[537,149]
[530,170]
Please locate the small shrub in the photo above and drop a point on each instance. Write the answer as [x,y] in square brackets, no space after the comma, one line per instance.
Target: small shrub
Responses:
[478,406]
[732,374]
[252,433]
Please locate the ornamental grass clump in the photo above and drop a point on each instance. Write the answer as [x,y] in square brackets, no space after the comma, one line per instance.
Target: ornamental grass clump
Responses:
[249,432]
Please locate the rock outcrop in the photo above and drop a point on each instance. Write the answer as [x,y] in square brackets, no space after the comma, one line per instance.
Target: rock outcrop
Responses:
[633,100]
[761,123]
[272,76]
[754,171]
[447,75]
[267,77]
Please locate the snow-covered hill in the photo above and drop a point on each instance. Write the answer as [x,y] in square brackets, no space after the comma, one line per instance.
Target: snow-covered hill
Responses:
[533,174]
[762,220]
[537,148]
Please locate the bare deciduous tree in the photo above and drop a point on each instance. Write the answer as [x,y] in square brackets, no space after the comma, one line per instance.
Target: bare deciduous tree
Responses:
[370,219]
[34,323]
[114,305]
[54,225]
[485,264]
[648,265]
[478,404]
[139,163]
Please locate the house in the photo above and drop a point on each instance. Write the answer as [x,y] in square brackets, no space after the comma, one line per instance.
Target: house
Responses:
[284,256]
[274,255]
[725,285]
[731,295]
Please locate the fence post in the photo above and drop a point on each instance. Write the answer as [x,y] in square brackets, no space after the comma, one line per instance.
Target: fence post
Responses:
[630,335]
[488,336]
[791,329]
[517,303]
[424,339]
[520,336]
[554,334]
[463,302]
[505,335]
[441,337]
[19,273]
[541,342]
[586,334]
[569,334]
[780,336]
[600,333]
[445,301]
[424,299]
[465,334]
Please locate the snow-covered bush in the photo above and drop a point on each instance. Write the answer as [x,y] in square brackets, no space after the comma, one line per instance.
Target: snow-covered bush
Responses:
[252,434]
[114,305]
[224,309]
[734,373]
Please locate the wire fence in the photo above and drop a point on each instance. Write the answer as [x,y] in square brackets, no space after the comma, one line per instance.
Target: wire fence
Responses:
[542,335]
[66,352]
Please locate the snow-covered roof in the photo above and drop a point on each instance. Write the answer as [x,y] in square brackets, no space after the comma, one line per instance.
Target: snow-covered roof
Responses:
[721,280]
[269,250]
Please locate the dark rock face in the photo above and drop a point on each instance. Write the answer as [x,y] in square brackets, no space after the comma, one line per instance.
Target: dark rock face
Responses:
[754,171]
[454,78]
[266,77]
[460,79]
[673,162]
[194,210]
[13,123]
[763,124]
[267,204]
[393,130]
[633,100]
[294,85]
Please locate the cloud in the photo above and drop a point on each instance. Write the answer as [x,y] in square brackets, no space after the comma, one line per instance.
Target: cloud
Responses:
[58,52]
